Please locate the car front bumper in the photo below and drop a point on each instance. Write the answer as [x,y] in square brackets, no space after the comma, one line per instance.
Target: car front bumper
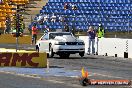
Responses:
[68,49]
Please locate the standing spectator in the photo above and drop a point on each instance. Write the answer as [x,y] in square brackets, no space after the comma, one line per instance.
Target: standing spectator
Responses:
[92,34]
[100,34]
[34,34]
[100,31]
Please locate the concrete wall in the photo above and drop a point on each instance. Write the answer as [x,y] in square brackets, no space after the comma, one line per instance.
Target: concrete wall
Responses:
[111,46]
[9,39]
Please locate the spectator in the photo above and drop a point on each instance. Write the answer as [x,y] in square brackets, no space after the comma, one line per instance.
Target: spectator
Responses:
[73,30]
[92,34]
[22,27]
[66,28]
[47,29]
[8,24]
[74,7]
[46,17]
[34,34]
[100,31]
[40,19]
[61,19]
[66,6]
[53,18]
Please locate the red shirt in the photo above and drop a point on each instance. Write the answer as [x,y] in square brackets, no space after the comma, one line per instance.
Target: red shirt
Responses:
[34,30]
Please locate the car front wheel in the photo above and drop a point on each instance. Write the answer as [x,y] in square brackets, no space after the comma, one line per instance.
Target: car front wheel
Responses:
[81,54]
[37,49]
[51,53]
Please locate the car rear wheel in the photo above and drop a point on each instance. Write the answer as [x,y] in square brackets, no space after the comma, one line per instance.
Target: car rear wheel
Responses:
[81,54]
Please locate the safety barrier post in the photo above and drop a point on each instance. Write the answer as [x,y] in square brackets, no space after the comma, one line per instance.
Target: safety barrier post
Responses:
[47,65]
[126,53]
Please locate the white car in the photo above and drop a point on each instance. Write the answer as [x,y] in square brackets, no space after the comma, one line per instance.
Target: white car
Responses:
[60,43]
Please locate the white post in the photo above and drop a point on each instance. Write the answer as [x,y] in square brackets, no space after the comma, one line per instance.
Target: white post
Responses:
[47,65]
[16,44]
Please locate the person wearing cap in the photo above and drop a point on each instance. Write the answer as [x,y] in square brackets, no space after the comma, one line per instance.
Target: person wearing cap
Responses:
[100,31]
[92,34]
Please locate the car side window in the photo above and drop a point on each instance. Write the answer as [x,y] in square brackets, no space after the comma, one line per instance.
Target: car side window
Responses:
[51,36]
[45,37]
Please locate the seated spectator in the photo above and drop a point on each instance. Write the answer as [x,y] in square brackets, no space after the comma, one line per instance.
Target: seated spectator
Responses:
[73,30]
[61,19]
[74,7]
[53,18]
[66,28]
[66,6]
[46,17]
[40,18]
[46,29]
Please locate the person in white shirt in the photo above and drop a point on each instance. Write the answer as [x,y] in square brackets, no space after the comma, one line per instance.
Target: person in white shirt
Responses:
[53,18]
[46,17]
[40,18]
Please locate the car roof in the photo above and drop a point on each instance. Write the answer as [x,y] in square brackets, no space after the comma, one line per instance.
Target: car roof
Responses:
[56,32]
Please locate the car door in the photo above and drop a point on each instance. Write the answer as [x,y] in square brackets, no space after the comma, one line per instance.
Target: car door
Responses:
[44,44]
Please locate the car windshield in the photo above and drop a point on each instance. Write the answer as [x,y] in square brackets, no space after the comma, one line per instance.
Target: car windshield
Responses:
[53,35]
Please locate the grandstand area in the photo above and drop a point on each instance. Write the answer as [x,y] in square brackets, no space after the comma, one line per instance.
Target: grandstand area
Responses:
[114,15]
[28,9]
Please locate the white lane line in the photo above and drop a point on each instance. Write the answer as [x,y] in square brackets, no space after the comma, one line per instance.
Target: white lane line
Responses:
[60,82]
[37,77]
[23,75]
[106,75]
[54,81]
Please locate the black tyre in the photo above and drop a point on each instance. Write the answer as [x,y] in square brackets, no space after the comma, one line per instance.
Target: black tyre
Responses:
[81,54]
[37,49]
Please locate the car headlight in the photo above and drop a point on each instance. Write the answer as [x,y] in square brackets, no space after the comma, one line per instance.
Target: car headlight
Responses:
[60,43]
[80,43]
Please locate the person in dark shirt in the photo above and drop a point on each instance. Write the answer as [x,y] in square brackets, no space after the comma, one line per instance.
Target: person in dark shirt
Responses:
[66,28]
[92,34]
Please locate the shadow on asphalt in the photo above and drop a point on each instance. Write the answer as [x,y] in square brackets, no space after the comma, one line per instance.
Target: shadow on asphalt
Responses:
[71,57]
[55,67]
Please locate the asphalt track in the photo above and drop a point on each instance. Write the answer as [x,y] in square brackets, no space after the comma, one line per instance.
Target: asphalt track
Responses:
[99,67]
